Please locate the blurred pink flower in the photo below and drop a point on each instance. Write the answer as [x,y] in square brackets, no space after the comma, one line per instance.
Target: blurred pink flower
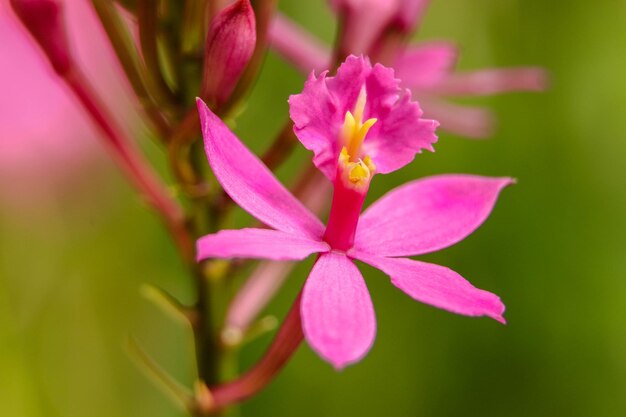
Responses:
[420,217]
[427,69]
[45,137]
[365,21]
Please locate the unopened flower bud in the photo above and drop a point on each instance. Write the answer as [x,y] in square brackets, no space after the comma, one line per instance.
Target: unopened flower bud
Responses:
[44,21]
[230,44]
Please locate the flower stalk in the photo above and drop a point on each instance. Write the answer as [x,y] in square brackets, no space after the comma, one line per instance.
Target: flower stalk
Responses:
[284,345]
[43,18]
[128,56]
[134,164]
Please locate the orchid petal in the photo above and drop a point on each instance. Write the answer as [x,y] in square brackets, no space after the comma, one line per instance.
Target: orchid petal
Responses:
[494,81]
[437,285]
[427,215]
[426,65]
[317,121]
[297,45]
[337,314]
[392,142]
[258,243]
[250,184]
[470,122]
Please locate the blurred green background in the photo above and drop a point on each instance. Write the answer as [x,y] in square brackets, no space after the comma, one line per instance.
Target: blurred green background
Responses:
[554,249]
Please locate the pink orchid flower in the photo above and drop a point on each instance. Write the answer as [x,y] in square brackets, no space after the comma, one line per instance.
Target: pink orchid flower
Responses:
[419,217]
[428,69]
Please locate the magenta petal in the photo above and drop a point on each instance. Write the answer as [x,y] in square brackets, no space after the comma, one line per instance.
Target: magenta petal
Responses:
[438,286]
[470,122]
[250,184]
[494,81]
[426,65]
[258,243]
[298,46]
[319,111]
[337,313]
[317,121]
[394,143]
[428,214]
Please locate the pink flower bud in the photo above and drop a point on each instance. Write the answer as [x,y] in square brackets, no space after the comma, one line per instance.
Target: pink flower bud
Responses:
[43,19]
[230,44]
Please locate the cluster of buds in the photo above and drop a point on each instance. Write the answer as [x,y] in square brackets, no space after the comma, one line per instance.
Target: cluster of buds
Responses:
[182,58]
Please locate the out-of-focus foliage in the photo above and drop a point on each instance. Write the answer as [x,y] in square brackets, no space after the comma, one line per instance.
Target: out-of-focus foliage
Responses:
[554,249]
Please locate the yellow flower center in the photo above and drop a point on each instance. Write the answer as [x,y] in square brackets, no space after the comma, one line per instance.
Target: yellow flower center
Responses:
[357,172]
[355,129]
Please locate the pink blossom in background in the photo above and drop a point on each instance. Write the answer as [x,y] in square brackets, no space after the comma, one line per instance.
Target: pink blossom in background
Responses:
[428,69]
[365,21]
[45,138]
[417,218]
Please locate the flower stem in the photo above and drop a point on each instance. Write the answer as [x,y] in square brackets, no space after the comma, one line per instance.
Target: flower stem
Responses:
[285,344]
[133,163]
[128,56]
[148,37]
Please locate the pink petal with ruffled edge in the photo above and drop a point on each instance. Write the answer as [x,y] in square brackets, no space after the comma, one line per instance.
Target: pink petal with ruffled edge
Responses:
[392,145]
[250,184]
[427,215]
[337,313]
[259,244]
[438,286]
[318,114]
[426,65]
[317,122]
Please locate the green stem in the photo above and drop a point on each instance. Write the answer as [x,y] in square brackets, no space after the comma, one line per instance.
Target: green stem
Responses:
[126,52]
[148,36]
[194,24]
[133,163]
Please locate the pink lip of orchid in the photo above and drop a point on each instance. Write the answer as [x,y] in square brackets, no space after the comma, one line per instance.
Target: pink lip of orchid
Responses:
[364,103]
[427,69]
[419,217]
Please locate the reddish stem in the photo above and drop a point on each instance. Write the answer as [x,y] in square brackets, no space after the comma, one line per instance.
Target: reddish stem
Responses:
[285,344]
[132,162]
